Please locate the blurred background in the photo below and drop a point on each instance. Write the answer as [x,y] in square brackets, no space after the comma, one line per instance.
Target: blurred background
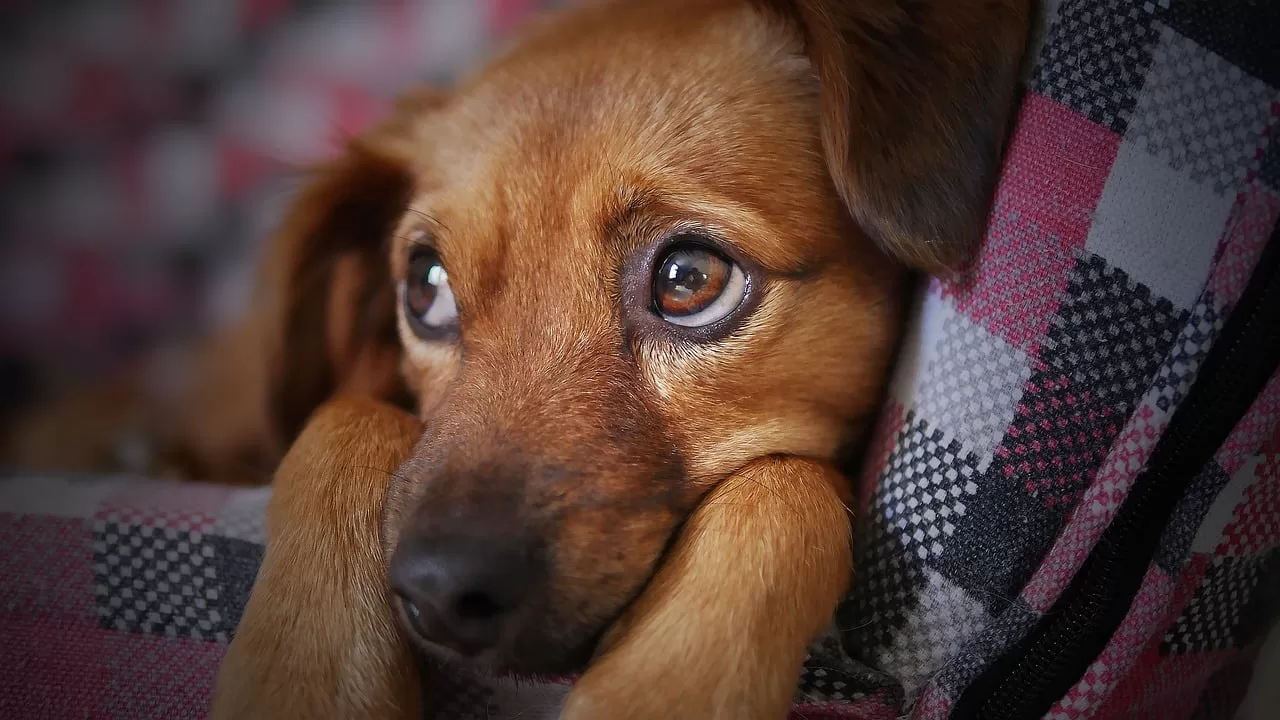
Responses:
[146,148]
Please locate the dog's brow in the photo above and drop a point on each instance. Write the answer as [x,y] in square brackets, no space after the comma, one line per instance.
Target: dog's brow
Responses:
[647,212]
[432,223]
[633,206]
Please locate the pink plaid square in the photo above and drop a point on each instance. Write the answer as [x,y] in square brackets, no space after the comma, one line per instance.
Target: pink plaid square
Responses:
[1255,525]
[153,676]
[1054,174]
[1254,214]
[46,566]
[53,668]
[1257,426]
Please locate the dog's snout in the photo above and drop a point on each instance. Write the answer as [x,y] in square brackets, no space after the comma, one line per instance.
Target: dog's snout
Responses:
[460,591]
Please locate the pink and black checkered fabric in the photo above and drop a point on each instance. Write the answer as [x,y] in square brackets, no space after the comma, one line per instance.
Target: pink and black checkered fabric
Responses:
[1141,187]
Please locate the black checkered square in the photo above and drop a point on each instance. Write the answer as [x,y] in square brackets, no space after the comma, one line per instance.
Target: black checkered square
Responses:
[1178,371]
[1261,613]
[1175,544]
[157,580]
[1110,334]
[1054,446]
[1213,619]
[236,564]
[1270,169]
[923,488]
[829,675]
[1000,541]
[887,581]
[1095,58]
[920,496]
[1241,31]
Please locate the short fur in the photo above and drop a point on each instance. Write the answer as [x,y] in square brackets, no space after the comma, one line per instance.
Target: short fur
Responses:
[834,147]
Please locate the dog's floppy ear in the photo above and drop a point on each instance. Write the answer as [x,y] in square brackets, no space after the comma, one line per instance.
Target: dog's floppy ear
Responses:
[332,326]
[915,102]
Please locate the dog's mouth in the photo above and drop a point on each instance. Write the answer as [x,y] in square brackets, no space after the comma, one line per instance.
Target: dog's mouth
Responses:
[528,655]
[484,662]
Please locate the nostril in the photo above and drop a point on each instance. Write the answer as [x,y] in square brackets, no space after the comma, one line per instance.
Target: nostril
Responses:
[477,606]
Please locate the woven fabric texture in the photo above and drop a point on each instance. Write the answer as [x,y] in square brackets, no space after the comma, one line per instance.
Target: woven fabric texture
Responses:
[1139,190]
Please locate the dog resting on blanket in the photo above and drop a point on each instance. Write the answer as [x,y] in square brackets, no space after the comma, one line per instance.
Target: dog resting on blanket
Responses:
[642,278]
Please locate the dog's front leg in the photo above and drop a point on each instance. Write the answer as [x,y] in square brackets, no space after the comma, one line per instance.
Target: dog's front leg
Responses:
[721,631]
[319,637]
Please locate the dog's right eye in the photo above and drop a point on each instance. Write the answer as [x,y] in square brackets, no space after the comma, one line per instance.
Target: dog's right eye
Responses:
[695,286]
[428,300]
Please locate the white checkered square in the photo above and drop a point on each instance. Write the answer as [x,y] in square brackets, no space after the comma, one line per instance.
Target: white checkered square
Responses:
[945,618]
[244,516]
[1200,114]
[972,386]
[1158,225]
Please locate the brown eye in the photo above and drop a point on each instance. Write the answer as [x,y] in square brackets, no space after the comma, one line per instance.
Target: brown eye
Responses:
[694,286]
[428,300]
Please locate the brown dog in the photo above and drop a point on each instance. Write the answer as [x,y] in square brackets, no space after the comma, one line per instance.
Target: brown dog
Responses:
[642,278]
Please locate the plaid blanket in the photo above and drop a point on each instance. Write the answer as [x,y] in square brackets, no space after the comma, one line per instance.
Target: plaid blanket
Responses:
[1141,188]
[121,595]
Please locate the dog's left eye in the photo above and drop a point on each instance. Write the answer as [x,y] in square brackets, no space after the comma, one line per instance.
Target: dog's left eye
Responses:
[428,300]
[694,285]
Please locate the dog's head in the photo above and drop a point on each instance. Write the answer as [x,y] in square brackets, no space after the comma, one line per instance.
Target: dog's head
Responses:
[649,243]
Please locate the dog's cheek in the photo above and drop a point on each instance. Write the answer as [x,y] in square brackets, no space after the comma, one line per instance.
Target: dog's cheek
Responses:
[793,382]
[602,558]
[428,369]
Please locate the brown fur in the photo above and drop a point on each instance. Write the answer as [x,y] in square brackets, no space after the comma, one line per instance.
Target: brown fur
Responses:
[916,104]
[830,147]
[790,531]
[317,639]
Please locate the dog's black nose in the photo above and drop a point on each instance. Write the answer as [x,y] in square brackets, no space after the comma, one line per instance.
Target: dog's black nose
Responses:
[460,591]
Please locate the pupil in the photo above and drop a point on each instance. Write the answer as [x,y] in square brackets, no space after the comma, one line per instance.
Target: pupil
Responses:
[684,277]
[422,291]
[692,279]
[689,280]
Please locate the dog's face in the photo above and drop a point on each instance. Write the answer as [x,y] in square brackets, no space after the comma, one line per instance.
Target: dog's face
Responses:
[621,266]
